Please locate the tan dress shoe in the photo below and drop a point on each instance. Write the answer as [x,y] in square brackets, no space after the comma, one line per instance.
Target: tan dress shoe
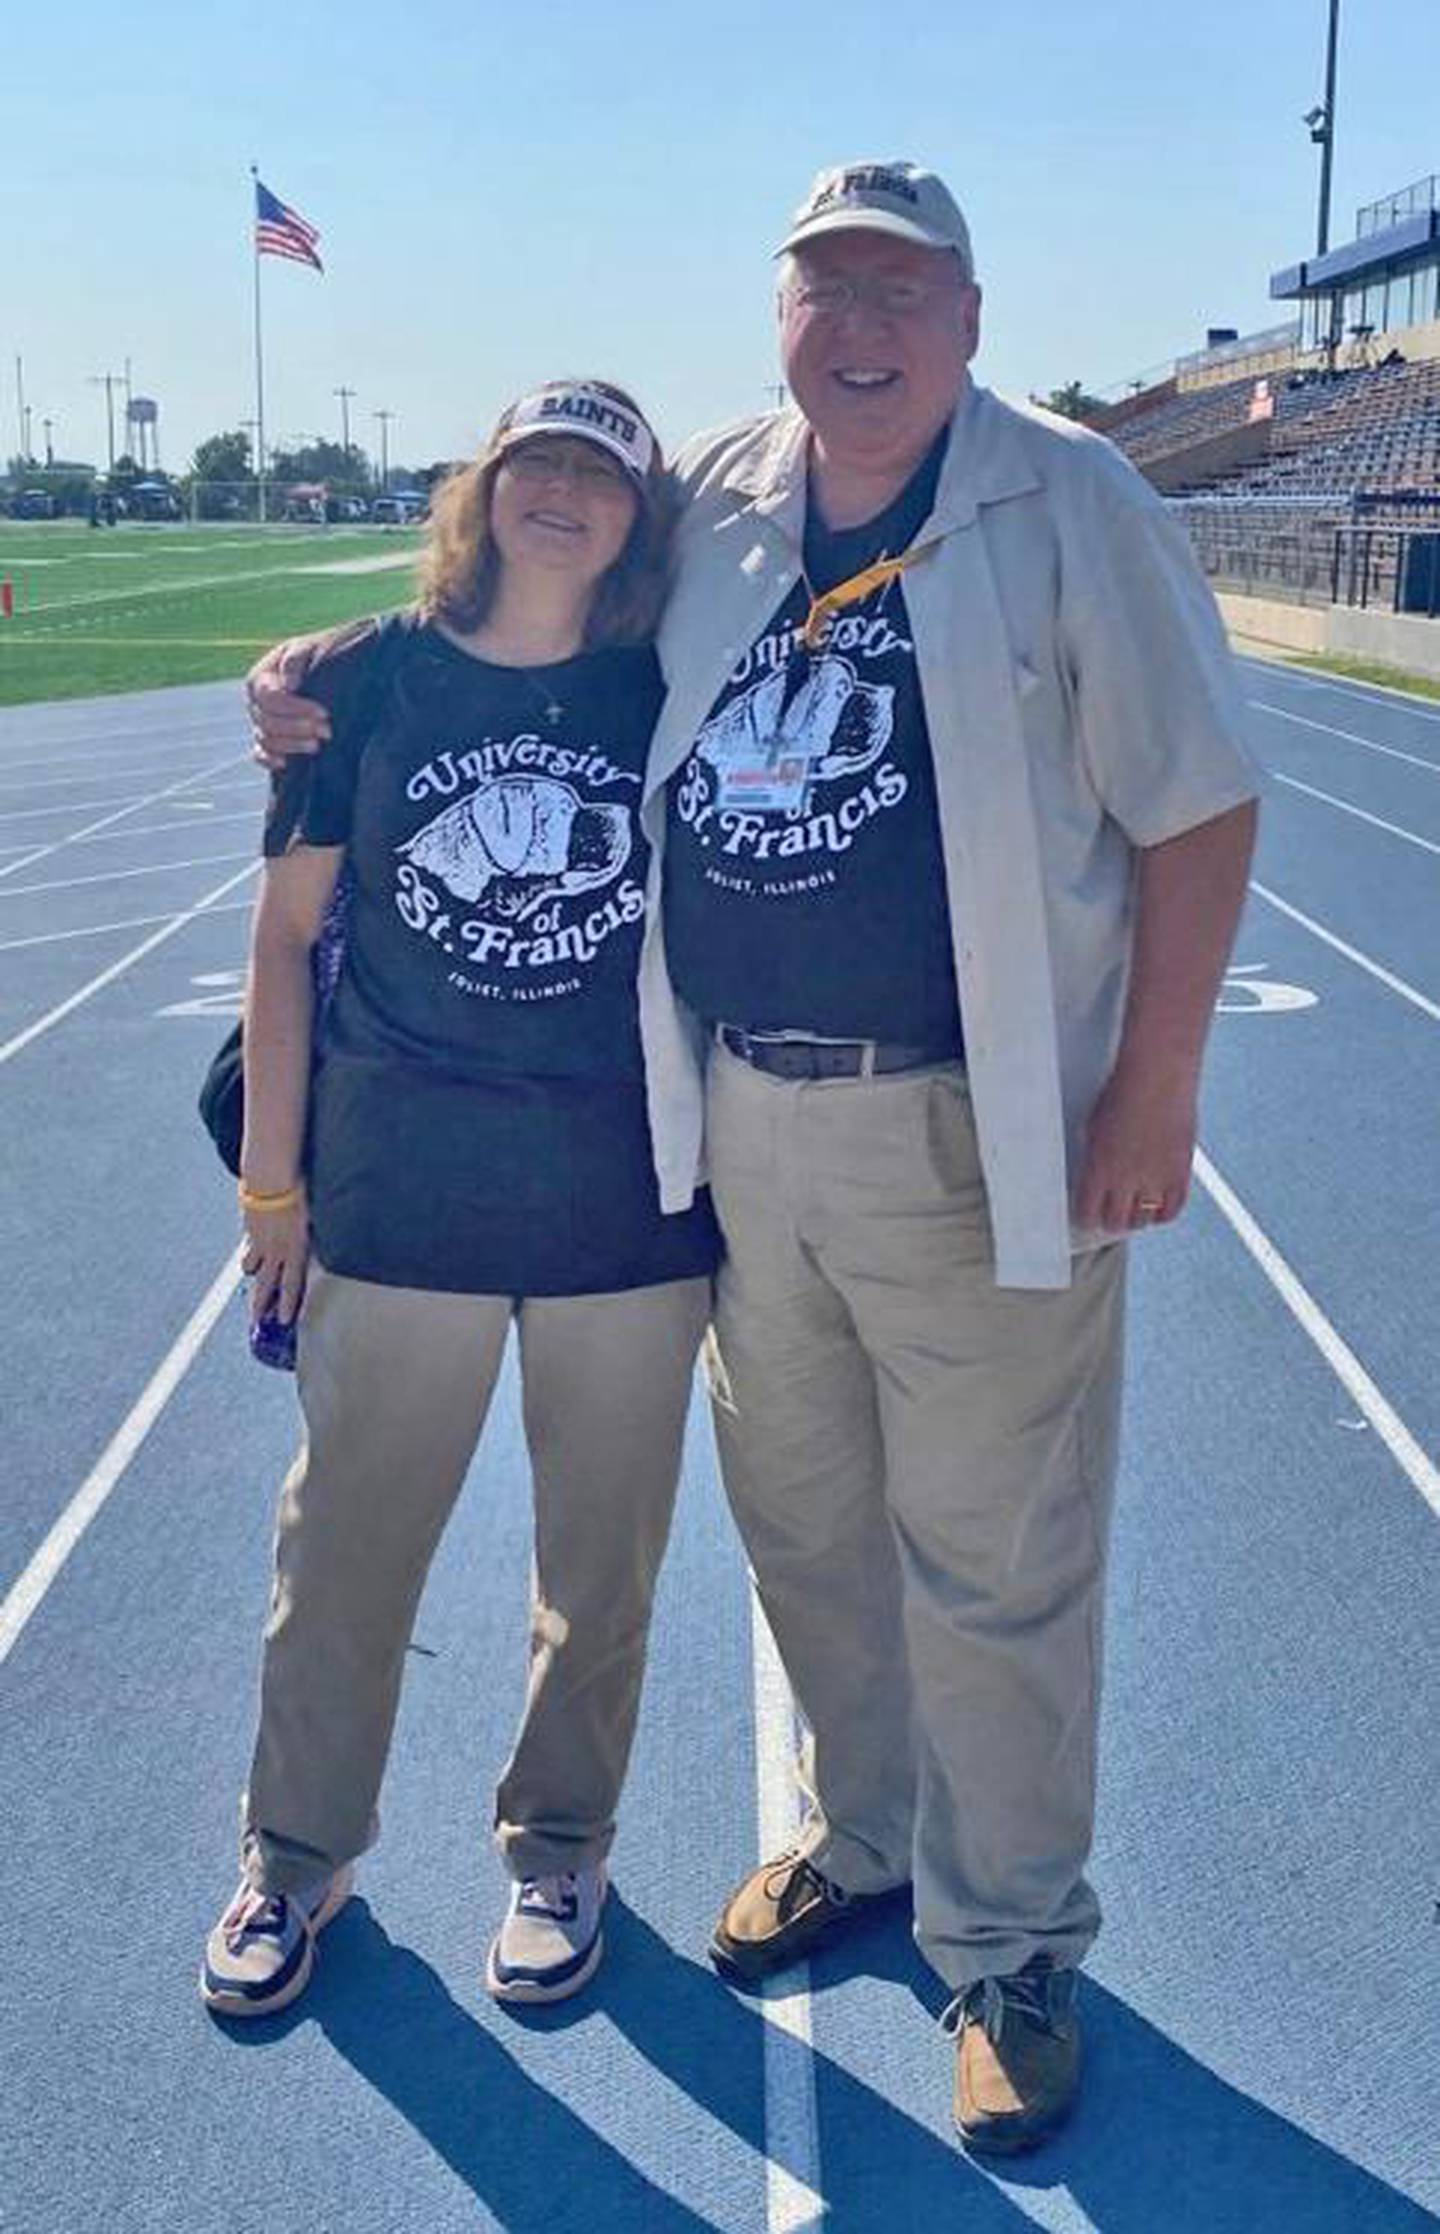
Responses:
[777,1914]
[1017,2058]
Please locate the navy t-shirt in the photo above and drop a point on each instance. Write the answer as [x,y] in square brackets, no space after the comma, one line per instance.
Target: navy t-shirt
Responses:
[804,875]
[479,1117]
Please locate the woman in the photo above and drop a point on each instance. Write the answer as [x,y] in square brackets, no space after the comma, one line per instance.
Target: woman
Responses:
[478,1153]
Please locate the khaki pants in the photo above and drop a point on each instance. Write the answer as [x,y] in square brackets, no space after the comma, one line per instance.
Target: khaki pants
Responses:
[395,1384]
[921,1465]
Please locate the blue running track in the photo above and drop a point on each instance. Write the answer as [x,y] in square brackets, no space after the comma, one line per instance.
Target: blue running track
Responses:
[1263,2009]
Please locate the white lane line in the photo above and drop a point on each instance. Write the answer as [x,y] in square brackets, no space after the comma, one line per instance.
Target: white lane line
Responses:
[1391,752]
[114,876]
[25,1595]
[1378,695]
[1421,1470]
[199,734]
[61,806]
[96,774]
[132,806]
[1351,953]
[97,930]
[251,814]
[1346,806]
[168,930]
[793,2201]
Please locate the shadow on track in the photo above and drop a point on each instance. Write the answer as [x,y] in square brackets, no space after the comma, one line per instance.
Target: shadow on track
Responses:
[1160,2142]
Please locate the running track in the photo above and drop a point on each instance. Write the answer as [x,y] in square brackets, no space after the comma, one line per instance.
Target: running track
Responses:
[1263,2010]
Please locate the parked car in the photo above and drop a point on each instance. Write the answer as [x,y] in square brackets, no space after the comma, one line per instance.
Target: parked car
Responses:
[399,508]
[152,500]
[35,504]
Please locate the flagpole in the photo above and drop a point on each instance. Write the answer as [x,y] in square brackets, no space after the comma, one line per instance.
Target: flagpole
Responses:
[259,367]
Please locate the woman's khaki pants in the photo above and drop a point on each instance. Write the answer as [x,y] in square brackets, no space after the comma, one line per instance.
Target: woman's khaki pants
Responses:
[395,1384]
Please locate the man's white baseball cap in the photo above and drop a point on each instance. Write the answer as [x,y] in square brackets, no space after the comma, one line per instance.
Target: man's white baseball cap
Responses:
[898,198]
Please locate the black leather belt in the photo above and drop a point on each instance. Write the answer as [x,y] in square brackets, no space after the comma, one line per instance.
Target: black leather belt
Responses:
[827,1058]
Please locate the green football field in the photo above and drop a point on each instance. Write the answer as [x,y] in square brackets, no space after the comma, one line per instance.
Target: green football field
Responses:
[135,607]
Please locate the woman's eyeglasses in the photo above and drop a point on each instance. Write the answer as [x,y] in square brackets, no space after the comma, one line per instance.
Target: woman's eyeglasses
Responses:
[537,462]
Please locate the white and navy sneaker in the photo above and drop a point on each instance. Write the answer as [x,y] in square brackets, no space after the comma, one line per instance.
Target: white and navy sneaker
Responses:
[261,1953]
[550,1942]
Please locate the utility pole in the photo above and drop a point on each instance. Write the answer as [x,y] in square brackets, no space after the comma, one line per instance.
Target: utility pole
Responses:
[109,381]
[20,404]
[344,394]
[48,425]
[384,417]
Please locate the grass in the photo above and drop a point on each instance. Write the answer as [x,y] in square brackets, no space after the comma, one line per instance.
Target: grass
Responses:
[1369,671]
[137,608]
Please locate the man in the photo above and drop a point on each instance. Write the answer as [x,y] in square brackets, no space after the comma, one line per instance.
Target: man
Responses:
[951,822]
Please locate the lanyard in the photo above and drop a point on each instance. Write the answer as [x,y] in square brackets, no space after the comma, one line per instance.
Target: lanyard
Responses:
[853,591]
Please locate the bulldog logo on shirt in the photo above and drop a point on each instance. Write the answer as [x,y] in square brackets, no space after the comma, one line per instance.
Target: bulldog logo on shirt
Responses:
[519,841]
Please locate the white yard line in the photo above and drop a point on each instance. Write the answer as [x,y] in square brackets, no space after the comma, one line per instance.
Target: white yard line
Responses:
[132,806]
[1346,806]
[1377,970]
[98,930]
[134,593]
[25,1595]
[793,2202]
[114,876]
[108,976]
[1391,752]
[1403,1447]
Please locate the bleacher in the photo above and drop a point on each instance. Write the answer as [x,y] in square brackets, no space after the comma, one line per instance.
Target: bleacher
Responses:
[1361,434]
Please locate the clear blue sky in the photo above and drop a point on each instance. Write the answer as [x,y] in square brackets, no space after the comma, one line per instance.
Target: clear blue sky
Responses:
[506,193]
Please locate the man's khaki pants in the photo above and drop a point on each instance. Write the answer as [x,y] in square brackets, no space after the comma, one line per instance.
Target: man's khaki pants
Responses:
[395,1384]
[921,1465]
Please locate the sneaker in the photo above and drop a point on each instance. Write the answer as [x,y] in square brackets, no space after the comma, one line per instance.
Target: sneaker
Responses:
[550,1942]
[261,1953]
[1017,2057]
[776,1916]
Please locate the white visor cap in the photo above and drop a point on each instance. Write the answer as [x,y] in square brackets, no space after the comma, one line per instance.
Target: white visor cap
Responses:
[587,415]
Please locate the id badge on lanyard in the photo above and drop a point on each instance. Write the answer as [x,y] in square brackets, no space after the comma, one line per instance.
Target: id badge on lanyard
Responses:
[773,776]
[771,779]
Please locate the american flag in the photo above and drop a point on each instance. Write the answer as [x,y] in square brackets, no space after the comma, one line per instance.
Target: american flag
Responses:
[282,232]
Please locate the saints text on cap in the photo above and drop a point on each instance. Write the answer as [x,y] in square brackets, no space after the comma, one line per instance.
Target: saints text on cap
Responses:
[590,415]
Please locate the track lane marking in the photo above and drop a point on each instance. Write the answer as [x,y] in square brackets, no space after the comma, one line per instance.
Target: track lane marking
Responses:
[251,814]
[1351,953]
[108,976]
[99,740]
[132,806]
[793,2201]
[1346,806]
[113,876]
[96,773]
[1392,752]
[26,1594]
[1404,1448]
[96,930]
[1378,695]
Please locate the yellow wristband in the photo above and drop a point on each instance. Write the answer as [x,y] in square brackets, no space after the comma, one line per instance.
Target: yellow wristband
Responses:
[285,1200]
